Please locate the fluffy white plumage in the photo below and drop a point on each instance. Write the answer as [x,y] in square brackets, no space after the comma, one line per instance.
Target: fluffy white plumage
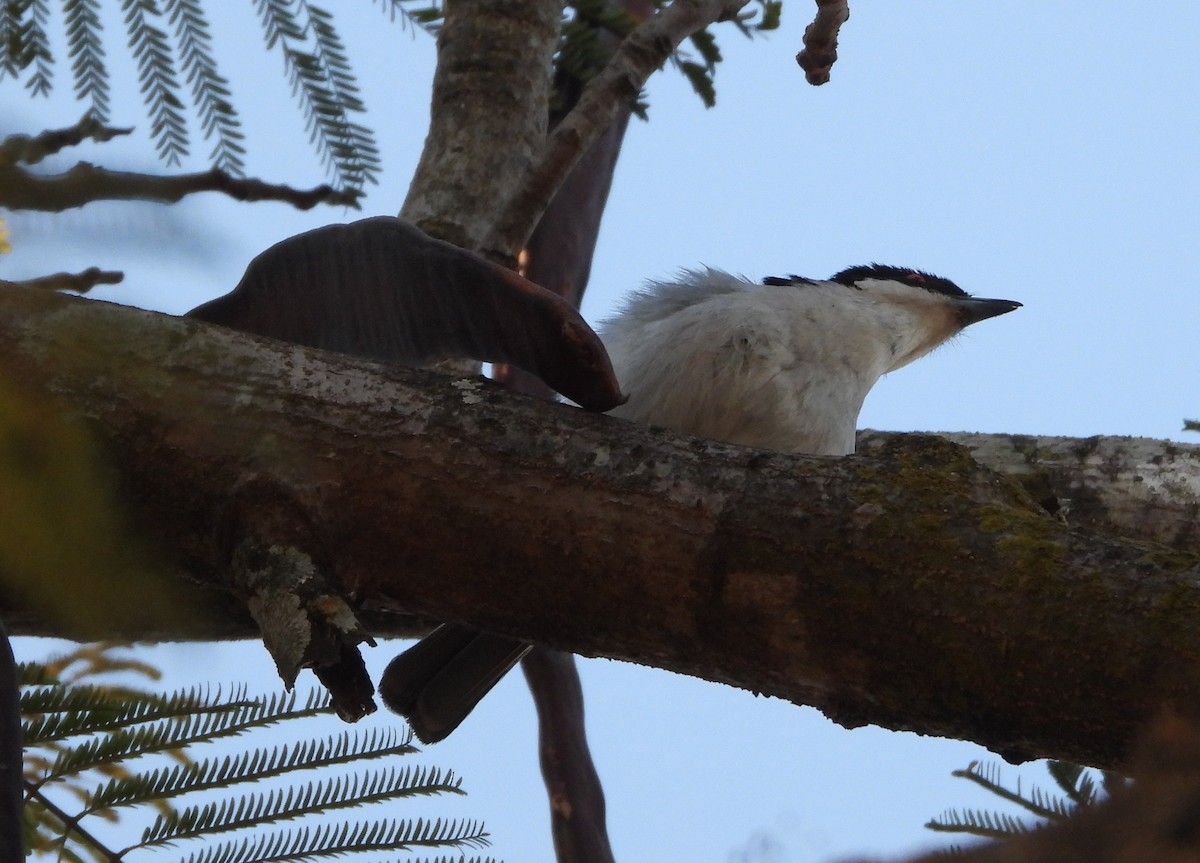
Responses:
[784,365]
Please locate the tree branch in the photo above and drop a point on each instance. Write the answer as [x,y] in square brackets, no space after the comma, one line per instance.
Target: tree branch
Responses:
[640,54]
[84,183]
[485,126]
[81,283]
[29,150]
[577,808]
[1133,487]
[820,41]
[912,589]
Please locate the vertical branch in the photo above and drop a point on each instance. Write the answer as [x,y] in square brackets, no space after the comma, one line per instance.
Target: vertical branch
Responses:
[559,258]
[577,806]
[488,116]
[641,54]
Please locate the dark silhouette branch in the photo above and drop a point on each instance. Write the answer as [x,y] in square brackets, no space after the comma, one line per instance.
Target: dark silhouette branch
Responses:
[577,808]
[84,183]
[12,785]
[820,40]
[81,283]
[913,589]
[31,149]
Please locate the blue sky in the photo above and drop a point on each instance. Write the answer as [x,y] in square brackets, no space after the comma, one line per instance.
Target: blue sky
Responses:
[1049,155]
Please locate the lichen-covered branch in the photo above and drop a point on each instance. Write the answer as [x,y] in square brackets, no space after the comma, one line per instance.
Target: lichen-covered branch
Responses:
[1134,487]
[488,115]
[912,589]
[84,183]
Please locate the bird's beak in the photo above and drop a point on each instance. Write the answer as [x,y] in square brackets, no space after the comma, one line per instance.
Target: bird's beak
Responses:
[972,310]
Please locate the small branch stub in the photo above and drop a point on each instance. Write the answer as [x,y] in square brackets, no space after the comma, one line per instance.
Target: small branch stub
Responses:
[81,283]
[820,41]
[304,627]
[31,149]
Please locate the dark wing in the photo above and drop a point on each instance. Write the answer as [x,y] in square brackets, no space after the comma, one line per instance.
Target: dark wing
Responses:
[382,289]
[437,682]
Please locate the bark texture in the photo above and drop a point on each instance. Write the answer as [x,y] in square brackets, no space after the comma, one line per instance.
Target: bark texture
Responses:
[488,116]
[639,55]
[913,588]
[1135,487]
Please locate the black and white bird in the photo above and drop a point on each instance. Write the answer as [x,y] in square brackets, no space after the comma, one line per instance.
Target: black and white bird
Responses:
[782,365]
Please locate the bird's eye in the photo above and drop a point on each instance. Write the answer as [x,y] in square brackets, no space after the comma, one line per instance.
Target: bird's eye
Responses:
[915,279]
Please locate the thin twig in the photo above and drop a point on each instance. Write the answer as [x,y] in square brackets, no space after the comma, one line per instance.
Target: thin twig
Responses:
[29,150]
[81,283]
[577,810]
[84,183]
[71,825]
[641,53]
[820,40]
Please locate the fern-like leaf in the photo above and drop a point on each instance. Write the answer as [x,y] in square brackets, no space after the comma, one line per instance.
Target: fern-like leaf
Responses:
[428,17]
[157,78]
[297,801]
[36,45]
[84,47]
[325,87]
[121,726]
[207,724]
[336,840]
[253,766]
[989,825]
[63,712]
[34,673]
[10,39]
[987,776]
[1076,784]
[210,89]
[768,17]
[1072,780]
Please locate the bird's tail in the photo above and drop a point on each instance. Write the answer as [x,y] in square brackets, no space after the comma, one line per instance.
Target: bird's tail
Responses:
[438,681]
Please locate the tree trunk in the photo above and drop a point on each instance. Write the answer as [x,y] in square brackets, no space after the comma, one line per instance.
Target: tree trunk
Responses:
[488,117]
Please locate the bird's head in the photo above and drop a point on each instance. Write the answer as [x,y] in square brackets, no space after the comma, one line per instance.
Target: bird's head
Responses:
[914,310]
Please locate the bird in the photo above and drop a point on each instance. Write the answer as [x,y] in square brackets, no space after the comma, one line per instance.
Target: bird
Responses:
[783,364]
[382,289]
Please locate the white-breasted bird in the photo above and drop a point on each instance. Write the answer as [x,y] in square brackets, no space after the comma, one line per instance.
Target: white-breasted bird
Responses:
[782,365]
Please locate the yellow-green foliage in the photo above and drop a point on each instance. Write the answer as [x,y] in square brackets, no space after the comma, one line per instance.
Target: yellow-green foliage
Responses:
[67,550]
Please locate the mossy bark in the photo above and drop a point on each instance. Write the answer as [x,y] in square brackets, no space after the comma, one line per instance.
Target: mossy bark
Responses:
[912,588]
